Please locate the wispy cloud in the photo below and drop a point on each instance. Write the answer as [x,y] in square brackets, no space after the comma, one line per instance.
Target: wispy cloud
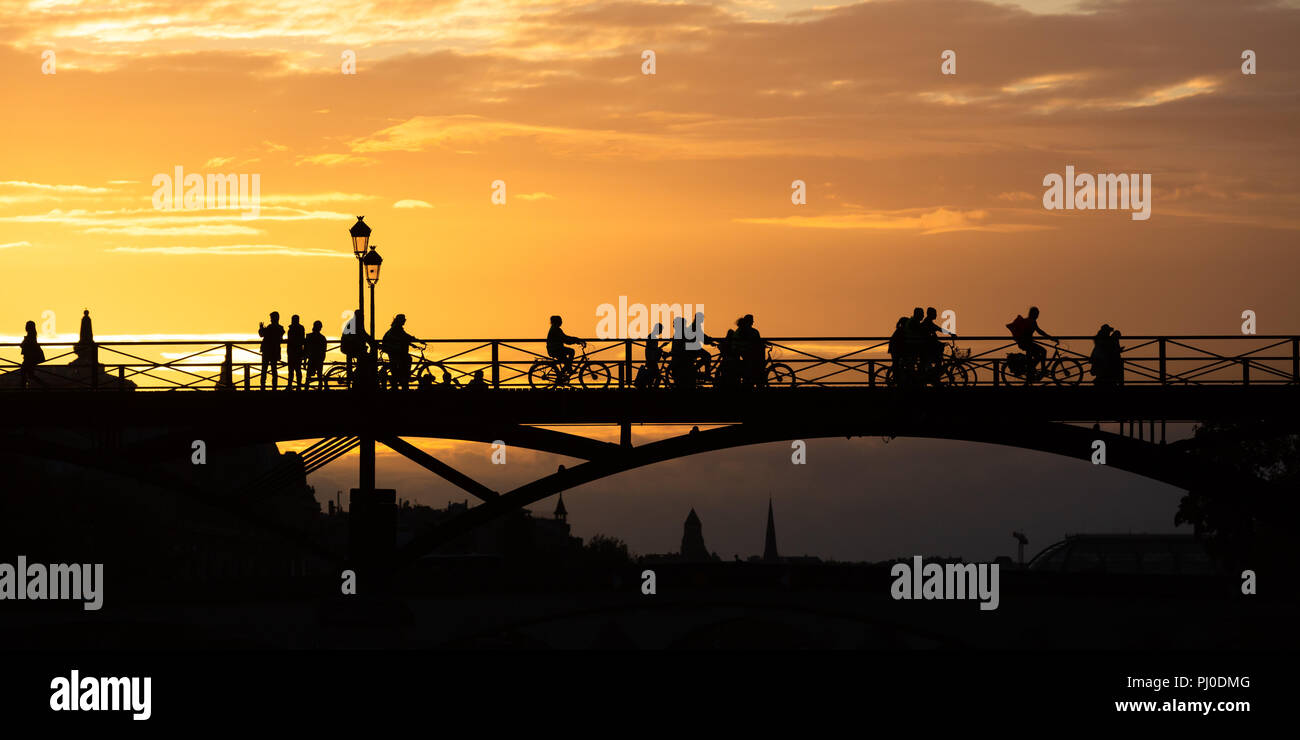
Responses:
[237,250]
[925,221]
[407,203]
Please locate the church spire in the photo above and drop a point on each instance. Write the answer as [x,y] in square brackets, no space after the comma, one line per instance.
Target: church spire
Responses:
[769,547]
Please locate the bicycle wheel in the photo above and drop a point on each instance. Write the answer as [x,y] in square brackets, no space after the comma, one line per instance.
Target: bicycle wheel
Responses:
[594,375]
[543,374]
[955,376]
[336,376]
[428,376]
[1008,377]
[1067,371]
[886,376]
[779,375]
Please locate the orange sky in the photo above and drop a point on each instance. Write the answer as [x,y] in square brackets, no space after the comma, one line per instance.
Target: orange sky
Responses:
[922,188]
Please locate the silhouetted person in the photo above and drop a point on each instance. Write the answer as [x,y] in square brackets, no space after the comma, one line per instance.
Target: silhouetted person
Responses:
[314,347]
[86,349]
[931,348]
[683,362]
[33,355]
[477,382]
[898,348]
[1023,330]
[752,353]
[915,344]
[226,381]
[699,355]
[1100,359]
[1116,355]
[356,346]
[293,346]
[555,341]
[271,336]
[397,345]
[728,370]
[654,353]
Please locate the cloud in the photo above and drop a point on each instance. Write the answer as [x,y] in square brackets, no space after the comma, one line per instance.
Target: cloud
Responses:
[237,250]
[195,230]
[66,189]
[535,196]
[933,221]
[218,161]
[10,245]
[411,204]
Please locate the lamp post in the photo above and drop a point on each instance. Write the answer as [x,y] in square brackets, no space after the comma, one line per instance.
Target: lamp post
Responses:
[360,233]
[372,261]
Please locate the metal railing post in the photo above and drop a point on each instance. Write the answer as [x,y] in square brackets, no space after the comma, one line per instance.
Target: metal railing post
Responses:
[625,372]
[1245,371]
[871,373]
[247,378]
[496,364]
[1162,361]
[121,377]
[1295,359]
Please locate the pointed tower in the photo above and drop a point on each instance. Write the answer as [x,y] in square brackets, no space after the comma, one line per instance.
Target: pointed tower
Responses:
[769,547]
[561,513]
[693,539]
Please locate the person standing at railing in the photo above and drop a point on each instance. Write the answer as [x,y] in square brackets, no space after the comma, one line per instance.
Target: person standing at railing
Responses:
[33,355]
[86,349]
[314,346]
[272,336]
[751,350]
[293,350]
[654,352]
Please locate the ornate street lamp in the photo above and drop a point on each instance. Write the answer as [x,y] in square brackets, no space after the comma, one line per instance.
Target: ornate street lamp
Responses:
[372,261]
[360,233]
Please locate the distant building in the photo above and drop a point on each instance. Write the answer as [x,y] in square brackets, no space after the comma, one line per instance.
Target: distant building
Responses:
[693,539]
[769,545]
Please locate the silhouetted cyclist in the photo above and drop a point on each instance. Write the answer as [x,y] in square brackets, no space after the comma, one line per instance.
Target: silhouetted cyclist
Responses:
[397,344]
[271,337]
[932,348]
[555,341]
[696,339]
[356,345]
[1023,330]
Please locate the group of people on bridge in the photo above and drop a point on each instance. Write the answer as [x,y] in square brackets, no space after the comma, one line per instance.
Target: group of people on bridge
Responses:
[915,349]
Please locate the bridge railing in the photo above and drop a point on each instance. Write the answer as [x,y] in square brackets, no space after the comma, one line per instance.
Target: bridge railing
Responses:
[614,363]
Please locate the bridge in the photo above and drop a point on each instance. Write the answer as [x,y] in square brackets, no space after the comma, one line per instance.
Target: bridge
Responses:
[817,387]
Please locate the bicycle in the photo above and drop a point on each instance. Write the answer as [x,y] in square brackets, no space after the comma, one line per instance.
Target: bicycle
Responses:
[424,372]
[708,367]
[549,373]
[1060,370]
[955,369]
